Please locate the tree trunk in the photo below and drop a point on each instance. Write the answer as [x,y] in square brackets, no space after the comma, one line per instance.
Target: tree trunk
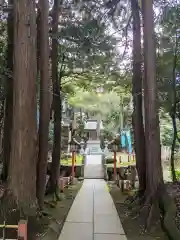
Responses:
[38,36]
[55,166]
[156,195]
[173,172]
[8,97]
[44,101]
[174,108]
[22,167]
[139,137]
[121,114]
[154,175]
[2,105]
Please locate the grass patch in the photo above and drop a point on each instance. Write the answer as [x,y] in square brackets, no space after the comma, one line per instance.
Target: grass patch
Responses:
[122,160]
[68,161]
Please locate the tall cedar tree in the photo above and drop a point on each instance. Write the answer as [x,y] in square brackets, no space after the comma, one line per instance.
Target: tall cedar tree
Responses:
[174,105]
[23,160]
[55,166]
[139,137]
[44,100]
[156,194]
[9,96]
[154,175]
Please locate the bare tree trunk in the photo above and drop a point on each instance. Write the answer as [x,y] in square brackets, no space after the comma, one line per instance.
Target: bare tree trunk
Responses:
[44,101]
[55,166]
[156,195]
[2,107]
[121,114]
[22,167]
[173,172]
[154,175]
[38,36]
[139,137]
[174,108]
[8,97]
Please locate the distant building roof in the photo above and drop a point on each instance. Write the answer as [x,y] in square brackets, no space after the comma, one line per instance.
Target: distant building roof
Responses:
[92,125]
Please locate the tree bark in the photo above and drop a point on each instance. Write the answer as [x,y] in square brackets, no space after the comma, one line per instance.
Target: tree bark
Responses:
[139,137]
[2,107]
[9,96]
[38,36]
[44,101]
[154,175]
[22,167]
[173,172]
[55,166]
[174,108]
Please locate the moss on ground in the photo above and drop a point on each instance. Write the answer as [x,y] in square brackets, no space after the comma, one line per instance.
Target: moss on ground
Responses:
[133,226]
[56,214]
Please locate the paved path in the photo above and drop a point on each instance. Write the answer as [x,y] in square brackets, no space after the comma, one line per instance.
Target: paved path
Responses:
[93,167]
[93,215]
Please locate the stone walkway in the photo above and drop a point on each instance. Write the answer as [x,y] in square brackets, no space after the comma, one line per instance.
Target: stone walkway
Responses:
[93,168]
[93,215]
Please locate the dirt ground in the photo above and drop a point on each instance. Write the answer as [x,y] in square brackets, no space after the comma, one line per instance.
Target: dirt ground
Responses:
[52,224]
[46,226]
[133,227]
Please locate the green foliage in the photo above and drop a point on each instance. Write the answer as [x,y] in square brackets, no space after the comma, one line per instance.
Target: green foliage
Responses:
[166,129]
[3,64]
[167,36]
[111,108]
[86,49]
[167,32]
[178,174]
[84,43]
